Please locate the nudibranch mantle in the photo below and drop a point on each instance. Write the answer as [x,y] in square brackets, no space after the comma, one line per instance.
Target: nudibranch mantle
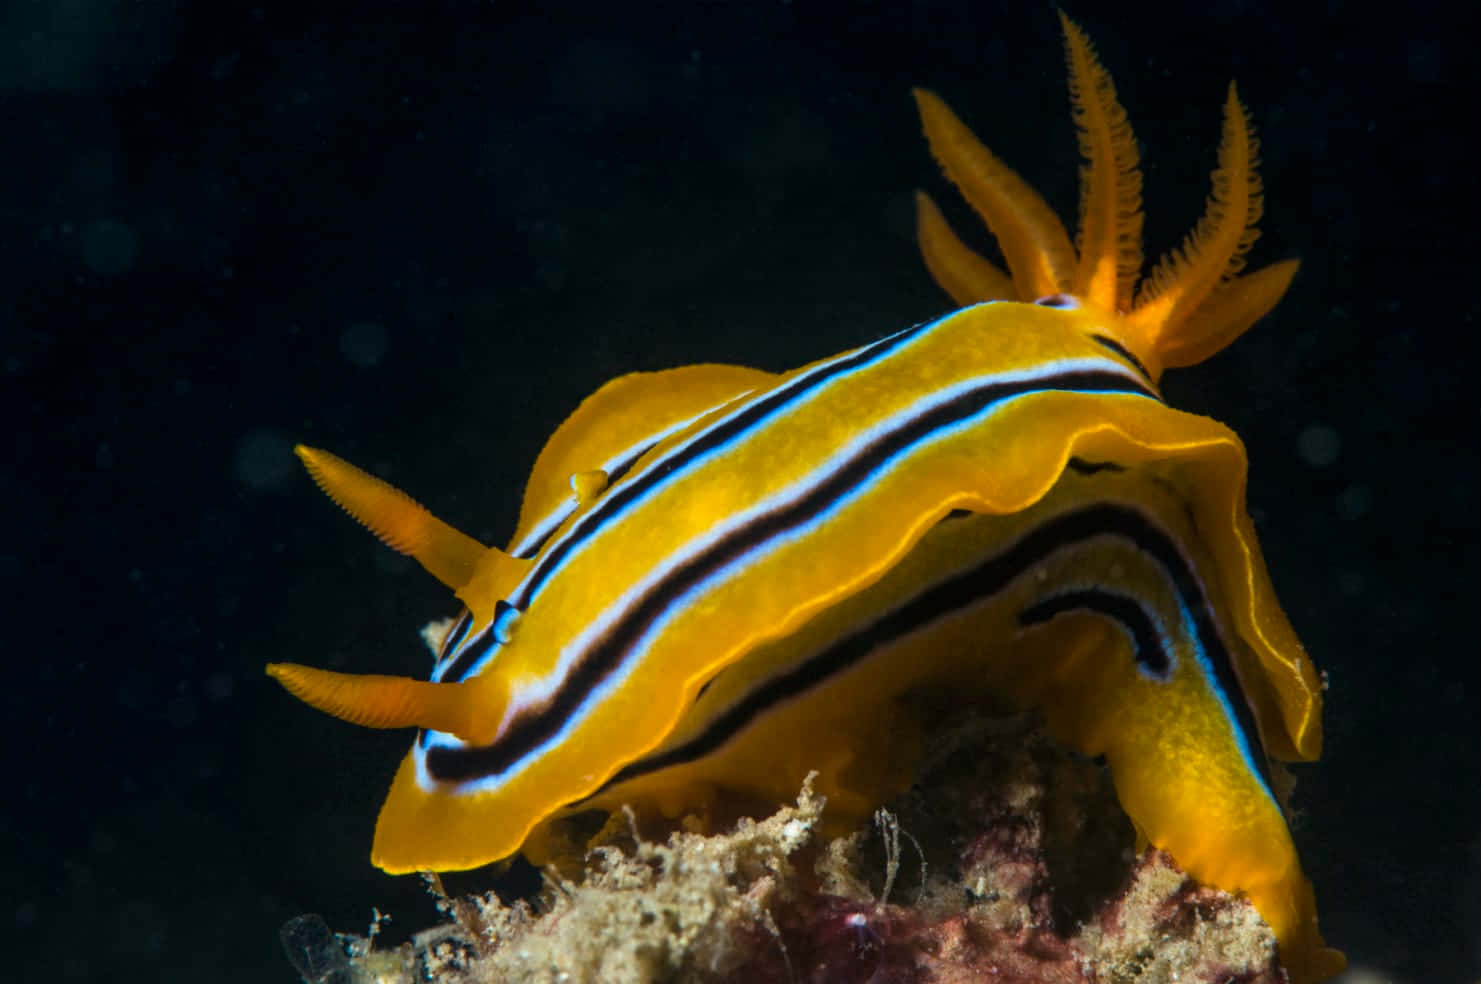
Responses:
[723,578]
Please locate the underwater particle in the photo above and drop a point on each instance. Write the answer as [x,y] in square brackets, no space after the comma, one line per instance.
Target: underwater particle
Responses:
[1366,975]
[85,45]
[1318,445]
[1354,502]
[219,686]
[148,931]
[794,145]
[1351,582]
[26,915]
[137,691]
[109,247]
[364,345]
[549,243]
[602,76]
[225,65]
[264,460]
[314,951]
[103,457]
[181,711]
[391,562]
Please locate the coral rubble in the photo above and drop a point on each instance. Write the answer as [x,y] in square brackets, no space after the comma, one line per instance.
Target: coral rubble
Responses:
[1016,866]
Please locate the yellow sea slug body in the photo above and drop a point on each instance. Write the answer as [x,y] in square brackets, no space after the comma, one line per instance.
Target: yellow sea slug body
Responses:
[724,578]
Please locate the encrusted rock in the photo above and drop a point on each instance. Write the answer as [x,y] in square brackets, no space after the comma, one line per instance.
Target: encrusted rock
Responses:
[1008,861]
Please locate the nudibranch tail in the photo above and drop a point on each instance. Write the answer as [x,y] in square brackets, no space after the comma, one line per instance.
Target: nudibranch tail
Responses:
[375,701]
[401,523]
[1189,307]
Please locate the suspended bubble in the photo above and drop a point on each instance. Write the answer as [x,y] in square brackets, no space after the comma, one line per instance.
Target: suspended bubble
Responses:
[109,247]
[1318,445]
[364,345]
[264,460]
[1354,502]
